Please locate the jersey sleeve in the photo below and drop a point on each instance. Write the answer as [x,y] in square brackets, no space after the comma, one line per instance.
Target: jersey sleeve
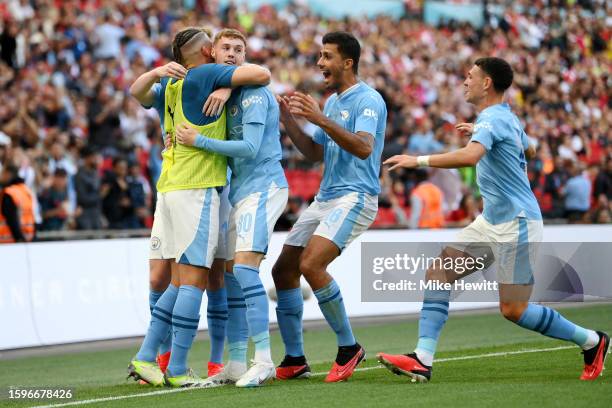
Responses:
[319,136]
[368,114]
[216,75]
[255,104]
[483,133]
[524,139]
[158,97]
[246,148]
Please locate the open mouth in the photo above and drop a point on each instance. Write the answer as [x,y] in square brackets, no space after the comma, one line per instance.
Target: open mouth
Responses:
[326,73]
[229,62]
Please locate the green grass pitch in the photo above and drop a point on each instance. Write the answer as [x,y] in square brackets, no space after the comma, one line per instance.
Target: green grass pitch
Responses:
[483,361]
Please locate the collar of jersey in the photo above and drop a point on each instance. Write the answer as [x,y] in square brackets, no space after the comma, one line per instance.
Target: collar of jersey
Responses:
[503,105]
[349,90]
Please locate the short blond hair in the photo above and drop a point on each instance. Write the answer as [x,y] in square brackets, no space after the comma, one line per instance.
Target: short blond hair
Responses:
[230,33]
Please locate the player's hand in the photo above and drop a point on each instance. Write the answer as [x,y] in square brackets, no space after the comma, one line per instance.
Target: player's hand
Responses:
[305,106]
[465,128]
[172,70]
[168,142]
[185,135]
[285,110]
[216,101]
[402,160]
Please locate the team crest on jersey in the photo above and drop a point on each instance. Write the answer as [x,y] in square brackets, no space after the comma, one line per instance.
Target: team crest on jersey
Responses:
[344,114]
[155,243]
[233,110]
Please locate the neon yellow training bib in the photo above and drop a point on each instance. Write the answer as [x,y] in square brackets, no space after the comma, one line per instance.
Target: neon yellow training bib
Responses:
[188,167]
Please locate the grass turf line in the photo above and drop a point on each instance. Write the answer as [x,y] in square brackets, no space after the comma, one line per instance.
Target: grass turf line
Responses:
[551,377]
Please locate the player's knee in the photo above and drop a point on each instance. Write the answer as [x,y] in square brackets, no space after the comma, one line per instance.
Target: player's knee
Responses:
[215,275]
[512,310]
[158,284]
[277,272]
[159,281]
[215,281]
[287,265]
[309,266]
[159,275]
[284,275]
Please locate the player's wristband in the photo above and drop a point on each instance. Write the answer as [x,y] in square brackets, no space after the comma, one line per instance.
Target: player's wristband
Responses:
[423,161]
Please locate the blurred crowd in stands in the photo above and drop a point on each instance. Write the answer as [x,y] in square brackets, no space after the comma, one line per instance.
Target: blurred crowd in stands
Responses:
[91,154]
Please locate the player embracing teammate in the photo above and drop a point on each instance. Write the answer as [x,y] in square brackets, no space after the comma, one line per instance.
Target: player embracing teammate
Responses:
[349,140]
[186,222]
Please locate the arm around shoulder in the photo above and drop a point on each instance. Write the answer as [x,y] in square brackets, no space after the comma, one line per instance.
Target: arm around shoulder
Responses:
[250,74]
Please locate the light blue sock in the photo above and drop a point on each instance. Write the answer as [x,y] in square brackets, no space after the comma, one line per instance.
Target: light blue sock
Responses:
[185,319]
[161,323]
[332,307]
[550,323]
[257,309]
[166,345]
[434,314]
[237,327]
[217,322]
[154,296]
[289,313]
[262,346]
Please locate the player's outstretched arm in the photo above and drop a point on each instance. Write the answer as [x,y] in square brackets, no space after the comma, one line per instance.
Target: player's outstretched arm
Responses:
[246,148]
[251,74]
[465,157]
[311,150]
[359,144]
[141,88]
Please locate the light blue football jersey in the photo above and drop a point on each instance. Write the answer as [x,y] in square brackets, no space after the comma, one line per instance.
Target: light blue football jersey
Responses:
[502,171]
[255,104]
[358,109]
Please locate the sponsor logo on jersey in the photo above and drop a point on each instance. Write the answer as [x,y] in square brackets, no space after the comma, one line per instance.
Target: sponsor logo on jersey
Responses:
[252,100]
[483,125]
[371,113]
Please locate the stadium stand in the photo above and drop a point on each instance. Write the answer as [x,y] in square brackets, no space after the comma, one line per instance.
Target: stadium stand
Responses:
[65,67]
